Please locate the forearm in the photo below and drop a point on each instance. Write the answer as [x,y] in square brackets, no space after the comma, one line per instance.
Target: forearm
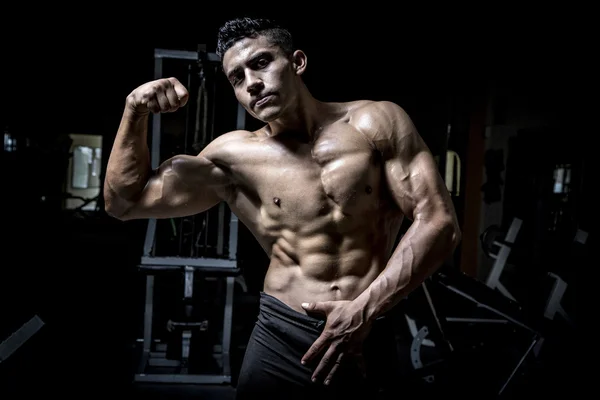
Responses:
[128,168]
[420,252]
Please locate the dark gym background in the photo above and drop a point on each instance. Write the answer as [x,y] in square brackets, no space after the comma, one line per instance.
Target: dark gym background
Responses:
[77,270]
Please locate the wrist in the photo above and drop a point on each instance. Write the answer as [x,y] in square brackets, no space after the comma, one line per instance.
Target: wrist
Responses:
[133,111]
[365,308]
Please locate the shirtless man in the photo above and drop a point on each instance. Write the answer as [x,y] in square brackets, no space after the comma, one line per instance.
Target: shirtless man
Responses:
[324,188]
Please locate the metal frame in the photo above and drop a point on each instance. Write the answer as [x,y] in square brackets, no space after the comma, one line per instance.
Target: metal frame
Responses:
[536,338]
[553,304]
[493,280]
[20,336]
[189,266]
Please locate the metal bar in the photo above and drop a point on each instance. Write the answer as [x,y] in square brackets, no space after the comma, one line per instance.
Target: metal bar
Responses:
[241,117]
[221,234]
[156,119]
[19,337]
[214,270]
[477,320]
[148,311]
[227,325]
[553,305]
[188,288]
[493,280]
[184,55]
[436,318]
[183,378]
[233,236]
[149,241]
[162,362]
[514,371]
[513,230]
[498,312]
[189,262]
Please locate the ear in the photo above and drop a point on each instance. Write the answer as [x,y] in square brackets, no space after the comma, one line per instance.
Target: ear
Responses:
[299,62]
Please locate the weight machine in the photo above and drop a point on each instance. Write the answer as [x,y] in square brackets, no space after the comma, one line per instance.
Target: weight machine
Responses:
[559,286]
[217,260]
[487,308]
[19,337]
[455,310]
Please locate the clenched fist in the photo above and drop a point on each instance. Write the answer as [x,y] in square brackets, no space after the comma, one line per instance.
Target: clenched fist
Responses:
[159,96]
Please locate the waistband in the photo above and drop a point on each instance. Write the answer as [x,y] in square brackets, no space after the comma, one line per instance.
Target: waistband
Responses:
[276,308]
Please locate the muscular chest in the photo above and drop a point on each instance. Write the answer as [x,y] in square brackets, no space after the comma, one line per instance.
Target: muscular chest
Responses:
[350,170]
[338,174]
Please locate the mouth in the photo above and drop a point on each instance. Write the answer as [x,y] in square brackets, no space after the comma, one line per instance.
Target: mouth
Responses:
[262,100]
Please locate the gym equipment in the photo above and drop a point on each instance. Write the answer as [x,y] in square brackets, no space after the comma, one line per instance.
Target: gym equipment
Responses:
[20,336]
[559,286]
[424,337]
[453,168]
[505,246]
[220,263]
[553,306]
[463,319]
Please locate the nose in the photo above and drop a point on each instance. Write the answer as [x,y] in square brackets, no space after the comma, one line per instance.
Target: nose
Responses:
[253,83]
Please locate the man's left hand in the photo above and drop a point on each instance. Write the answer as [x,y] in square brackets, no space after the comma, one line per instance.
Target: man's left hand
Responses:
[342,337]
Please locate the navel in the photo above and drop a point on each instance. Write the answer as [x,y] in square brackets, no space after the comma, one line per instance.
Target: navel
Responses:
[277,201]
[369,189]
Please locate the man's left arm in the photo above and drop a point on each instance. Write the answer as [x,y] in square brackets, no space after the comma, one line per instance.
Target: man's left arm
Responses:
[417,188]
[419,192]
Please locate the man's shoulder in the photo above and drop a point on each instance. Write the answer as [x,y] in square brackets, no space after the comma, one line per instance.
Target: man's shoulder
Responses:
[228,139]
[233,136]
[380,121]
[227,144]
[381,111]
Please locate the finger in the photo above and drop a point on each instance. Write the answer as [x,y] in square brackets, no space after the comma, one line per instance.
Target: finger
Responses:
[181,91]
[173,99]
[334,368]
[326,363]
[163,102]
[322,307]
[316,348]
[152,105]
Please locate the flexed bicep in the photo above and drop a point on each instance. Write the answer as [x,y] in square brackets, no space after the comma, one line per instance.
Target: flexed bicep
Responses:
[411,173]
[415,183]
[183,185]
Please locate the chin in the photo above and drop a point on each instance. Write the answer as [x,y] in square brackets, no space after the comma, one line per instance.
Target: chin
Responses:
[268,115]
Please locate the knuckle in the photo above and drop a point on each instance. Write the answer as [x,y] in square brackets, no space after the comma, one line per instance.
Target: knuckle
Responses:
[327,334]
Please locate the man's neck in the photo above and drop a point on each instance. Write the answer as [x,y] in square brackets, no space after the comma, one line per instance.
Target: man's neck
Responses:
[304,119]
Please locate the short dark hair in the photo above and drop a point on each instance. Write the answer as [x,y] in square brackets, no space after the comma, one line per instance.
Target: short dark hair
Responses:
[246,27]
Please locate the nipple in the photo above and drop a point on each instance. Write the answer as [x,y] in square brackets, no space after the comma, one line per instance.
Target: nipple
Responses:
[277,201]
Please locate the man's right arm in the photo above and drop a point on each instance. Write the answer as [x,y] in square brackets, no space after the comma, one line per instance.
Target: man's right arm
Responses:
[182,185]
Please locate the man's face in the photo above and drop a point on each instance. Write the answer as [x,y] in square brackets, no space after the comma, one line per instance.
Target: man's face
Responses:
[262,77]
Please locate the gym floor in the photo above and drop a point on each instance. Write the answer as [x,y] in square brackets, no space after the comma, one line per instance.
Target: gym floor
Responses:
[181,392]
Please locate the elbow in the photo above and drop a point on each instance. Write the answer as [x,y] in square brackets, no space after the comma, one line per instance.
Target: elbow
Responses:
[448,232]
[453,233]
[113,210]
[456,237]
[113,206]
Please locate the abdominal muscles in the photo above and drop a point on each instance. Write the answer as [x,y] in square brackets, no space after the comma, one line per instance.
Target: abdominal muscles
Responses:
[335,260]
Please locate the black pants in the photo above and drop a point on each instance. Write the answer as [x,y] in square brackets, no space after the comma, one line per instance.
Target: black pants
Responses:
[271,367]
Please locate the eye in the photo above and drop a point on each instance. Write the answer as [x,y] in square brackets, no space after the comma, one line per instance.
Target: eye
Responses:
[236,79]
[262,62]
